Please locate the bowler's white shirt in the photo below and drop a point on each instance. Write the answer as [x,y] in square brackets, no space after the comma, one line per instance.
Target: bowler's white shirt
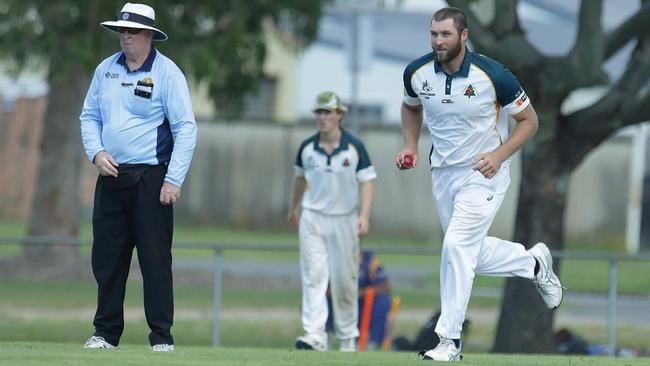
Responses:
[467,112]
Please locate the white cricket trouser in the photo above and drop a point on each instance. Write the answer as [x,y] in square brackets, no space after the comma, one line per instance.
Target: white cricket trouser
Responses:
[329,253]
[467,203]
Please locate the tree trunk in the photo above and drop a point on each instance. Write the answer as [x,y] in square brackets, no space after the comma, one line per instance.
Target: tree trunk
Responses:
[56,204]
[525,323]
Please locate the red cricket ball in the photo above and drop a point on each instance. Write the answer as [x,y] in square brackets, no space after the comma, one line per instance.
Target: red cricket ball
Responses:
[407,161]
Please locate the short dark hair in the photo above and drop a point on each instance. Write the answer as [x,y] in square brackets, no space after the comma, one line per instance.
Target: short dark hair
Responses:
[457,15]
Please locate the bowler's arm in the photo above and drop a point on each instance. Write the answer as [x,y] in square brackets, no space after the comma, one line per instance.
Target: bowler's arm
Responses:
[411,125]
[525,128]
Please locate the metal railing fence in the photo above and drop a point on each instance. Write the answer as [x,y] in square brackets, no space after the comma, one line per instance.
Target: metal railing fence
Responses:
[219,248]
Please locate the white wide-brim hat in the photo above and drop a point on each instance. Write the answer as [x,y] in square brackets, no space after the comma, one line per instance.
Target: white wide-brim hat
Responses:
[136,16]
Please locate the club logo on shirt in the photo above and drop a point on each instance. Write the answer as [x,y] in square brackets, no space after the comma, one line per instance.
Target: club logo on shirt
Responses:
[427,90]
[469,91]
[426,87]
[346,162]
[111,75]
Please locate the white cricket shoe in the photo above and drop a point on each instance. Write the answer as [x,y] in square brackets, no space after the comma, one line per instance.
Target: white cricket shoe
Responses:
[162,348]
[348,345]
[445,351]
[311,342]
[547,283]
[95,342]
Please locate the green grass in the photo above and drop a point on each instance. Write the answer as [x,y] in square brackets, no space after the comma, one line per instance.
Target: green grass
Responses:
[61,311]
[26,354]
[577,275]
[71,294]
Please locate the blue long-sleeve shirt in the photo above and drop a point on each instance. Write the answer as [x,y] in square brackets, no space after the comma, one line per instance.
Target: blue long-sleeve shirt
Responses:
[140,117]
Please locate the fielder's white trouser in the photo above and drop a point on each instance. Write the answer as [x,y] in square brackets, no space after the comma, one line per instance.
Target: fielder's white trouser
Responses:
[467,203]
[329,253]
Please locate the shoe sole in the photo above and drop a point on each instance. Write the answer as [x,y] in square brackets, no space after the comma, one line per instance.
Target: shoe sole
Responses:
[422,355]
[549,260]
[302,345]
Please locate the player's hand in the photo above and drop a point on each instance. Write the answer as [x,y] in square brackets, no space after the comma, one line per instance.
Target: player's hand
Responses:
[105,163]
[399,158]
[169,194]
[363,226]
[293,219]
[488,164]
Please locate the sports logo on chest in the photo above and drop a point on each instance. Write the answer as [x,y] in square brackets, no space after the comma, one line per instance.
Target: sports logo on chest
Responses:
[427,90]
[470,91]
[346,162]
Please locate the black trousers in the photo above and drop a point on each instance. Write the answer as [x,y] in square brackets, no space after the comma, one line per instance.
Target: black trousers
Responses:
[127,213]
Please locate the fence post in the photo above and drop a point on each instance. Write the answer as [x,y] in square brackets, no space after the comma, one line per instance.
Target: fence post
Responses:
[216,295]
[611,307]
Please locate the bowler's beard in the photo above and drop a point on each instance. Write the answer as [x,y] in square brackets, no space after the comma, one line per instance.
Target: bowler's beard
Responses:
[450,54]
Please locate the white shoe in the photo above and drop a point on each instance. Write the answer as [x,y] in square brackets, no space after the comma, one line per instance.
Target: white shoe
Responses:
[445,351]
[348,345]
[547,283]
[162,348]
[311,342]
[95,342]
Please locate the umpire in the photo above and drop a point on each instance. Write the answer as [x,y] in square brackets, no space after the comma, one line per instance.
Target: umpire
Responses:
[138,129]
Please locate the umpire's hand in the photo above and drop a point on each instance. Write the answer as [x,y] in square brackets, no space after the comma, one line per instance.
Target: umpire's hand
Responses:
[169,194]
[106,164]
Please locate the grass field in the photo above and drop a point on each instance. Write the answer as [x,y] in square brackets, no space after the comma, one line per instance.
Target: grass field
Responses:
[61,310]
[27,354]
[577,275]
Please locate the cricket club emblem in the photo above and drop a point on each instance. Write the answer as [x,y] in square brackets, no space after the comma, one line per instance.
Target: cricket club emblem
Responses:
[469,91]
[426,87]
[346,163]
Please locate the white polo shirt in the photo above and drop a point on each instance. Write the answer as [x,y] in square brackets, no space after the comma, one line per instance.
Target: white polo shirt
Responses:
[467,112]
[333,180]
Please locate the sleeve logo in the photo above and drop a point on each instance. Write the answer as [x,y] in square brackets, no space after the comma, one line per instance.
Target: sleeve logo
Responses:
[521,100]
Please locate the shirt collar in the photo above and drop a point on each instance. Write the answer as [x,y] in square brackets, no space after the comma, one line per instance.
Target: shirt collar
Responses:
[464,66]
[146,66]
[343,143]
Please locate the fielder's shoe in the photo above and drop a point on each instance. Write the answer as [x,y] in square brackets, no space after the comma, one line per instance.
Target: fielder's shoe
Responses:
[546,282]
[95,342]
[162,348]
[445,351]
[311,342]
[348,345]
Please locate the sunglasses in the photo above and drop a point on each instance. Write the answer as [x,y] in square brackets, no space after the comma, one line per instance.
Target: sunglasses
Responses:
[132,31]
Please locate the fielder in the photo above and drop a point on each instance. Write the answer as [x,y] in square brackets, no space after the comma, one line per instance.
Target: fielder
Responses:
[465,99]
[332,169]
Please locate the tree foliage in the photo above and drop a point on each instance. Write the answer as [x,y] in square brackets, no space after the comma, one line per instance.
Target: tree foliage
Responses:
[220,43]
[563,140]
